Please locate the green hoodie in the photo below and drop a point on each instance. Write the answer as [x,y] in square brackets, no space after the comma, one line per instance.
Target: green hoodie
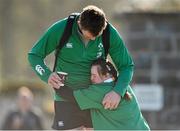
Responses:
[127,116]
[75,58]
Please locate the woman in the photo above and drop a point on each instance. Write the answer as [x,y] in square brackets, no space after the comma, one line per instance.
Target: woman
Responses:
[127,116]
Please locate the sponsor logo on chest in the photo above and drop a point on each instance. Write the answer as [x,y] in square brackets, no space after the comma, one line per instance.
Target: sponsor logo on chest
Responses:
[100,49]
[69,45]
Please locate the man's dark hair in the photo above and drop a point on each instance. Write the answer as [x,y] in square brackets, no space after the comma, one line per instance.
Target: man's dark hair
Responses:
[92,19]
[105,67]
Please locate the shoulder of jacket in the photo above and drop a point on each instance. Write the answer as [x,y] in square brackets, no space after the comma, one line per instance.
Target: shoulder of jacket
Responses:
[58,24]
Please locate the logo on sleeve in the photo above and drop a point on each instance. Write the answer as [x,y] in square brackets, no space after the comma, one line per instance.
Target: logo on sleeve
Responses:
[39,69]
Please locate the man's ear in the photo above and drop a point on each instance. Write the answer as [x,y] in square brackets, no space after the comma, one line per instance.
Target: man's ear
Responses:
[79,24]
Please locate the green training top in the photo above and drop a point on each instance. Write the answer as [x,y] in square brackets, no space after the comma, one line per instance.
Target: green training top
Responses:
[127,116]
[75,58]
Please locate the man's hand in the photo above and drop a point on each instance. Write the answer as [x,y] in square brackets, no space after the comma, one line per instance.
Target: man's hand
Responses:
[54,80]
[111,100]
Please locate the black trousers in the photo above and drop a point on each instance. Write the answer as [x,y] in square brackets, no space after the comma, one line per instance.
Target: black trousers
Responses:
[66,93]
[68,115]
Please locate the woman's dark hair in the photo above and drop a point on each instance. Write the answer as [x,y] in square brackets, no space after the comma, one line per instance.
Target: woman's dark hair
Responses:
[105,67]
[92,19]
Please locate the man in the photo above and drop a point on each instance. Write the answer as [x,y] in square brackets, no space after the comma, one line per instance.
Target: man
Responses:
[24,117]
[75,58]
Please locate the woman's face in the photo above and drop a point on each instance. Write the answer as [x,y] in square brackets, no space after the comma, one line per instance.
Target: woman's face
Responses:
[95,77]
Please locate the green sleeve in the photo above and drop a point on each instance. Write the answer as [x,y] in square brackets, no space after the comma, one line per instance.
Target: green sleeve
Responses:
[90,97]
[43,47]
[122,61]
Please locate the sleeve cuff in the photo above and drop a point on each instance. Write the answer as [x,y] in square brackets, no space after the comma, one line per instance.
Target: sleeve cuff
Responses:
[119,91]
[45,77]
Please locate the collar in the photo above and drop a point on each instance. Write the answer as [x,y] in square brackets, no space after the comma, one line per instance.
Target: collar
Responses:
[108,80]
